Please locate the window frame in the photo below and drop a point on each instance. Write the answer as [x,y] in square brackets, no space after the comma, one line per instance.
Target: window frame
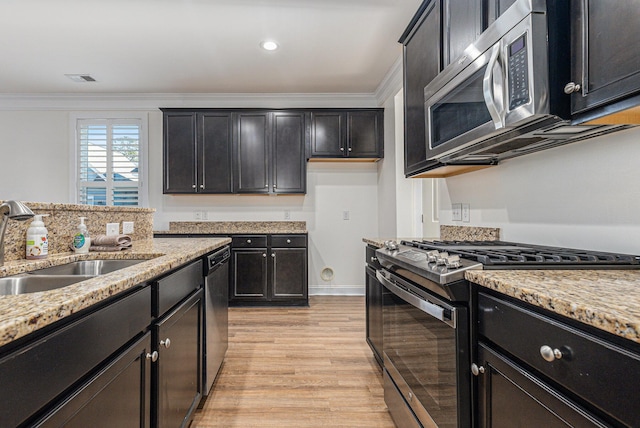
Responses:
[143,171]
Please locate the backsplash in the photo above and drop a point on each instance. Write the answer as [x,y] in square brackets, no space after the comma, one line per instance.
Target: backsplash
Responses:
[469,233]
[226,227]
[63,220]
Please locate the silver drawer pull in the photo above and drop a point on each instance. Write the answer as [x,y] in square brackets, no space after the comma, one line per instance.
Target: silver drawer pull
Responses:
[166,343]
[288,241]
[374,259]
[476,370]
[550,354]
[153,356]
[248,241]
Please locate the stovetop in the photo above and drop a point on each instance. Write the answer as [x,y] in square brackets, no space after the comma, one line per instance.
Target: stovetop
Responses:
[440,265]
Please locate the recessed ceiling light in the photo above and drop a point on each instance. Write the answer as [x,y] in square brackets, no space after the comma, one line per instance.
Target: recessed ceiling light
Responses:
[80,78]
[269,45]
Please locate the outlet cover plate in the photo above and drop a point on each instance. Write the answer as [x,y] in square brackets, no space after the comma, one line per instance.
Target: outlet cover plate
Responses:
[127,227]
[113,229]
[456,212]
[466,213]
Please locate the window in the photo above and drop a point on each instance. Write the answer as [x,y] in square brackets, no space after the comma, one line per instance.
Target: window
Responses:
[110,155]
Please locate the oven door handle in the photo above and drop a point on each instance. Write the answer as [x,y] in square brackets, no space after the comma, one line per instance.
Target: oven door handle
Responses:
[417,302]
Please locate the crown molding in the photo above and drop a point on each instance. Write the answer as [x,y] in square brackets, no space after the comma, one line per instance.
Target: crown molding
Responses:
[391,83]
[133,101]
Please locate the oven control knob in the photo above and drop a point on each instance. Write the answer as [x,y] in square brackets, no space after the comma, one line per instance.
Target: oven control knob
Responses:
[441,258]
[476,370]
[432,256]
[452,262]
[391,245]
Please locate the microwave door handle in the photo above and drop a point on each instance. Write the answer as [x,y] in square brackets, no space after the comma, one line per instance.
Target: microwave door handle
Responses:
[487,89]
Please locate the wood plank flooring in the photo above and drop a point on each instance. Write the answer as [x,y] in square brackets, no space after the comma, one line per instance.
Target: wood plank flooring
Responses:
[298,367]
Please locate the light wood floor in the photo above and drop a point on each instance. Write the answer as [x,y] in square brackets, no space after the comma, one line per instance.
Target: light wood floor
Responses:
[298,367]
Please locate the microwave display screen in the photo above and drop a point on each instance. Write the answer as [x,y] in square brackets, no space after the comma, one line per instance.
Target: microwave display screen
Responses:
[516,46]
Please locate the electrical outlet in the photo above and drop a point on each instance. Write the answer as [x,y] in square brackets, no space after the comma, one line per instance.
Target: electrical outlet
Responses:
[456,212]
[127,227]
[287,215]
[345,215]
[113,229]
[466,213]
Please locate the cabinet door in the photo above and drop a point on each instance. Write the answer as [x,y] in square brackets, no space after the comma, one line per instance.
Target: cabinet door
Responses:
[365,134]
[374,313]
[289,163]
[117,396]
[328,134]
[604,45]
[289,273]
[463,25]
[421,64]
[214,152]
[495,8]
[251,152]
[179,152]
[177,384]
[249,274]
[509,396]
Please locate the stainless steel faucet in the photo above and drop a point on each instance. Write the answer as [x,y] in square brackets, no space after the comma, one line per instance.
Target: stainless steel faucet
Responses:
[11,210]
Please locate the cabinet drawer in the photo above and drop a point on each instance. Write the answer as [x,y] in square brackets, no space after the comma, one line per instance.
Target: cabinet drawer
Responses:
[170,290]
[249,241]
[599,372]
[38,372]
[299,241]
[370,257]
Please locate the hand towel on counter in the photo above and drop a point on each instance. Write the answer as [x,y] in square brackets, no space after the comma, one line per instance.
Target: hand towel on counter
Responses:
[110,243]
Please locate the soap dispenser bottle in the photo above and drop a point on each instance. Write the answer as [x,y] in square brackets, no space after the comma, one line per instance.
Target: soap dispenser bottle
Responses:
[37,239]
[81,240]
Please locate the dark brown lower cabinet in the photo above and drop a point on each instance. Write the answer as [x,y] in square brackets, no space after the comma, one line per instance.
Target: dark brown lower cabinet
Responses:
[177,372]
[268,270]
[116,396]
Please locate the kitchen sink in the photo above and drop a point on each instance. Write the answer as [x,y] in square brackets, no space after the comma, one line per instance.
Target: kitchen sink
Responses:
[87,267]
[29,283]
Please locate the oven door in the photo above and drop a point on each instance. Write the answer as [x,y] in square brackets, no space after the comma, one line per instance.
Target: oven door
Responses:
[426,353]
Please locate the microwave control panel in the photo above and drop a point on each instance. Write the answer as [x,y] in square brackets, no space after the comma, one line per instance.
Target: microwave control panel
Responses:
[518,73]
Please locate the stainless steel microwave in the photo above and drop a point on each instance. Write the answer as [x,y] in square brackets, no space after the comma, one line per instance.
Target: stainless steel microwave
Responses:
[505,95]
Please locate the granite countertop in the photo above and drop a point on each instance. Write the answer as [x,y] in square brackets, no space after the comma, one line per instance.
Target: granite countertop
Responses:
[25,313]
[231,227]
[605,299]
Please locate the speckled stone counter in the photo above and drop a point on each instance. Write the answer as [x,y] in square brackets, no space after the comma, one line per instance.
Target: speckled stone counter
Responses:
[606,299]
[26,313]
[231,227]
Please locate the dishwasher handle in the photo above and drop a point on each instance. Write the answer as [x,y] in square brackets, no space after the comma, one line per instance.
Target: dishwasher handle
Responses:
[418,302]
[217,259]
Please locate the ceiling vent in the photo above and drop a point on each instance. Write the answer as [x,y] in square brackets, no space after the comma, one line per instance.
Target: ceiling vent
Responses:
[80,78]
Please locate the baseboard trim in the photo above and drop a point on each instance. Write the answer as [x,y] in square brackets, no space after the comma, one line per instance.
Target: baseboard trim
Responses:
[336,290]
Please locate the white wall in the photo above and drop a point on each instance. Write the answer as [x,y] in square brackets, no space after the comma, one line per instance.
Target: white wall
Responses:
[582,195]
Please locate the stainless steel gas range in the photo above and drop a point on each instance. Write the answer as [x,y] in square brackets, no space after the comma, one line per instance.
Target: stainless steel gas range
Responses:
[427,337]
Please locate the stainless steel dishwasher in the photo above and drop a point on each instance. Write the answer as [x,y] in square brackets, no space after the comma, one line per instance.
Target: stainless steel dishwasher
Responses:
[216,320]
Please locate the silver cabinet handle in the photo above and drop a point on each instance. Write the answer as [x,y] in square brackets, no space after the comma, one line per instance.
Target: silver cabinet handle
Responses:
[273,255]
[374,259]
[264,255]
[288,241]
[571,87]
[550,354]
[342,149]
[274,187]
[166,343]
[152,356]
[266,186]
[248,241]
[202,186]
[193,186]
[350,149]
[476,370]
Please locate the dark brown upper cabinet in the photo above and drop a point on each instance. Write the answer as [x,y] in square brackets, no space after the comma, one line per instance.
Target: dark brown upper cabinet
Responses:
[197,152]
[347,134]
[422,62]
[462,26]
[605,65]
[269,152]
